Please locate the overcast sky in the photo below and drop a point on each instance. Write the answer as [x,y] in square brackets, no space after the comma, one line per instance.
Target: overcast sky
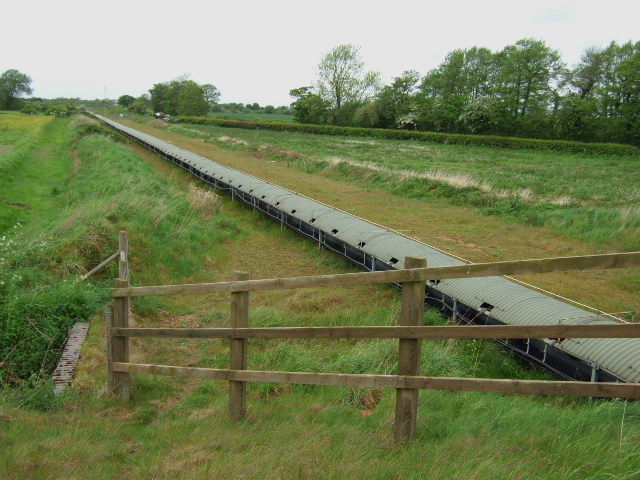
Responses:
[256,51]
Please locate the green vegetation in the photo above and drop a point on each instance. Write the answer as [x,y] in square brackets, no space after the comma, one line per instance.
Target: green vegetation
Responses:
[53,109]
[13,84]
[181,232]
[524,90]
[126,100]
[182,97]
[37,306]
[566,192]
[260,116]
[446,138]
[59,218]
[16,131]
[344,83]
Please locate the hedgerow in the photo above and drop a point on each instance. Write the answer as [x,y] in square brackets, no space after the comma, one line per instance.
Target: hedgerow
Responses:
[446,138]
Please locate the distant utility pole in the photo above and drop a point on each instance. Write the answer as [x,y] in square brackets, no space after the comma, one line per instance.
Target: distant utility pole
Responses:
[105,101]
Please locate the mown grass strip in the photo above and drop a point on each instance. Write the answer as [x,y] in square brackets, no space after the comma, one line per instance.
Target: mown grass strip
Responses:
[435,137]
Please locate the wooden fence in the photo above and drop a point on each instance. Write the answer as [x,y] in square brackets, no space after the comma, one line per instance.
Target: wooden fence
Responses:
[410,333]
[66,366]
[117,315]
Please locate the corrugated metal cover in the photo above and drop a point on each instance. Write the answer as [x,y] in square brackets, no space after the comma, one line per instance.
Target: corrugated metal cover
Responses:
[512,303]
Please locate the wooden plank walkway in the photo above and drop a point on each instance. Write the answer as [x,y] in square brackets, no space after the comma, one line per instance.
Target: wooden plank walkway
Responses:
[66,366]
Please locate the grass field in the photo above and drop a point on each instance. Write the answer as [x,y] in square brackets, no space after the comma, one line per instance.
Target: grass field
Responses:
[592,198]
[181,231]
[459,229]
[276,117]
[14,126]
[57,221]
[16,137]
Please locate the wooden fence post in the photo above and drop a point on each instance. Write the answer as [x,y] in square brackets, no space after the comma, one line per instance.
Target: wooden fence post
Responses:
[239,319]
[412,313]
[123,263]
[119,346]
[118,382]
[108,320]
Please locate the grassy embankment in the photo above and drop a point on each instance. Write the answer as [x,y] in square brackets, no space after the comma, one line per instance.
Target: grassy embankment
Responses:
[180,231]
[59,218]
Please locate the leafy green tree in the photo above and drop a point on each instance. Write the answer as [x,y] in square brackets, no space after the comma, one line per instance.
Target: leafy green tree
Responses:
[629,88]
[368,115]
[191,100]
[609,77]
[575,119]
[233,107]
[309,107]
[173,95]
[342,78]
[140,105]
[525,71]
[396,101]
[559,87]
[464,75]
[346,115]
[608,89]
[588,74]
[160,98]
[60,110]
[479,72]
[269,109]
[126,100]
[448,79]
[482,115]
[180,97]
[211,94]
[13,84]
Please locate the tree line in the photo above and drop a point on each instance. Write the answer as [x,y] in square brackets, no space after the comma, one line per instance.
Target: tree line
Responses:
[235,107]
[180,96]
[183,96]
[523,90]
[14,85]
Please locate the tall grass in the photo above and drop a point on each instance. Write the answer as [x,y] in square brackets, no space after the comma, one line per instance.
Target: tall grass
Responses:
[594,198]
[177,428]
[432,137]
[105,189]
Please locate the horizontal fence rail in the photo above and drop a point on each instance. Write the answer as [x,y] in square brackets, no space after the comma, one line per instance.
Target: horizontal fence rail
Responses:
[410,333]
[627,330]
[494,385]
[519,267]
